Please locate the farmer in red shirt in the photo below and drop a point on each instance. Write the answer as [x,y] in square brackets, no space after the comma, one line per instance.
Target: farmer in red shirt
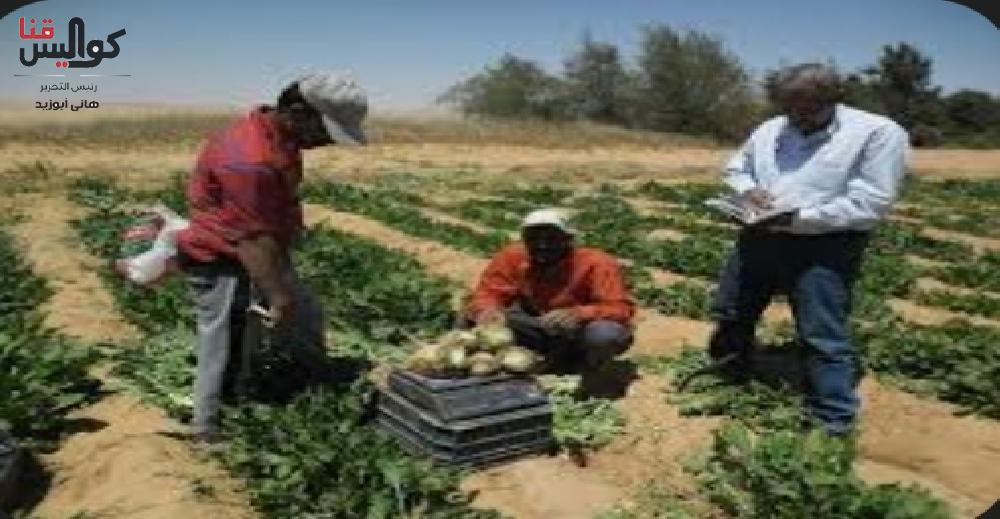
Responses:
[566,302]
[244,217]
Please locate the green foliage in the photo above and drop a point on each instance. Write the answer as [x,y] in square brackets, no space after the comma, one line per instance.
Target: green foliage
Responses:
[582,422]
[160,370]
[901,238]
[512,88]
[384,295]
[536,194]
[610,223]
[386,206]
[43,375]
[682,82]
[956,361]
[20,290]
[757,404]
[686,298]
[502,214]
[96,193]
[973,303]
[596,81]
[653,501]
[688,82]
[762,464]
[153,309]
[785,474]
[983,273]
[315,457]
[691,195]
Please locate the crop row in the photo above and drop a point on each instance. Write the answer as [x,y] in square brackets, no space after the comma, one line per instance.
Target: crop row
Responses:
[768,460]
[43,375]
[608,221]
[308,452]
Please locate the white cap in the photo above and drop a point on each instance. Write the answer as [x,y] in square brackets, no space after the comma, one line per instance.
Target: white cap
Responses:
[548,216]
[341,103]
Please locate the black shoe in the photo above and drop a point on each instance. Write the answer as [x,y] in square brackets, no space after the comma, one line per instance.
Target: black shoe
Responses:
[210,442]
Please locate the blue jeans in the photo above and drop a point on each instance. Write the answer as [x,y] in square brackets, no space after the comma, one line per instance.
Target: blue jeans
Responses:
[817,273]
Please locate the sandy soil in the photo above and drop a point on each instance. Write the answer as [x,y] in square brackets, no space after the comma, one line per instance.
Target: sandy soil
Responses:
[934,284]
[121,464]
[932,316]
[126,468]
[626,165]
[901,434]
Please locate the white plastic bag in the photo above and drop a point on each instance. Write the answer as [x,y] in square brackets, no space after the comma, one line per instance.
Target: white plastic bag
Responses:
[152,266]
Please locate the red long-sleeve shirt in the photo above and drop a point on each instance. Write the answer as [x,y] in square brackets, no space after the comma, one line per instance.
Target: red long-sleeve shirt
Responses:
[243,184]
[589,281]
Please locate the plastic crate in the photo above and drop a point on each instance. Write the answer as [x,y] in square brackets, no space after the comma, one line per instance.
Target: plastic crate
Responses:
[473,421]
[452,434]
[414,444]
[464,398]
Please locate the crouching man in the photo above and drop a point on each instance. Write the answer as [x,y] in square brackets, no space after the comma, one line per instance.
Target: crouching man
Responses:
[568,303]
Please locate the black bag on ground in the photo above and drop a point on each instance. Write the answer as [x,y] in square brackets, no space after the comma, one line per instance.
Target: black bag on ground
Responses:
[10,462]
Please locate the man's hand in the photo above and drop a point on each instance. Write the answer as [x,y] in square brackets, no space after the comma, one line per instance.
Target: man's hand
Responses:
[561,320]
[264,261]
[282,310]
[780,220]
[759,197]
[494,316]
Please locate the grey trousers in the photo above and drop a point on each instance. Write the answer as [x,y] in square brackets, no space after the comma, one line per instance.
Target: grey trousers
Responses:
[222,296]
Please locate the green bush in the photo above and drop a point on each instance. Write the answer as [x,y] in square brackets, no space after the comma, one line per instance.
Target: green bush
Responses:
[787,474]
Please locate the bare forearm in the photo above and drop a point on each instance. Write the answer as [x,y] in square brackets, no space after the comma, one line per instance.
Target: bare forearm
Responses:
[262,257]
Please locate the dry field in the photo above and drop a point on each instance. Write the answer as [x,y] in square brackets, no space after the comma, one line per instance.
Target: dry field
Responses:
[131,467]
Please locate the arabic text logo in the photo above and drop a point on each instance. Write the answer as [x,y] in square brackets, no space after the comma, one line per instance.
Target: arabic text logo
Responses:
[64,53]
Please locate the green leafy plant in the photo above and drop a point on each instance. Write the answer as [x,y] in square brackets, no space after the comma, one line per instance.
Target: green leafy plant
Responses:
[390,207]
[316,457]
[43,375]
[786,474]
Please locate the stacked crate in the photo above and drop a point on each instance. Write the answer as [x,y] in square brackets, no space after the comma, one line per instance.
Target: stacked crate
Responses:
[472,421]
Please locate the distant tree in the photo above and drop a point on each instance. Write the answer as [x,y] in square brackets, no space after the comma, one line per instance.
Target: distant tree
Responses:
[973,119]
[512,88]
[689,82]
[973,111]
[900,82]
[595,80]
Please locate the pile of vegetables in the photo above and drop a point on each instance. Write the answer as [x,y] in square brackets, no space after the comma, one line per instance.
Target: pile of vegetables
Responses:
[483,351]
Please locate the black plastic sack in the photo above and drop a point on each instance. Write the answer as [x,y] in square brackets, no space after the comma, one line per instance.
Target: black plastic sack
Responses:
[10,464]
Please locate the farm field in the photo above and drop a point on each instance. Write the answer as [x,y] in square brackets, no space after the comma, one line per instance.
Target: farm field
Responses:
[397,231]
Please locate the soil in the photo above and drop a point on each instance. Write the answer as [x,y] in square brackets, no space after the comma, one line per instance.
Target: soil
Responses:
[119,461]
[124,466]
[481,163]
[902,436]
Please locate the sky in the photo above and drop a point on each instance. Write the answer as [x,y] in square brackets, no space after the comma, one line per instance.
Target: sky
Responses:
[407,52]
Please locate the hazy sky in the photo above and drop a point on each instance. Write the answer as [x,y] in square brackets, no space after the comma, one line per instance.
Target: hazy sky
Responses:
[407,52]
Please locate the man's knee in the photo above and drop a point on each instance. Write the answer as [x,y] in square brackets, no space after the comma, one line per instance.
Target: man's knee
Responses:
[604,339]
